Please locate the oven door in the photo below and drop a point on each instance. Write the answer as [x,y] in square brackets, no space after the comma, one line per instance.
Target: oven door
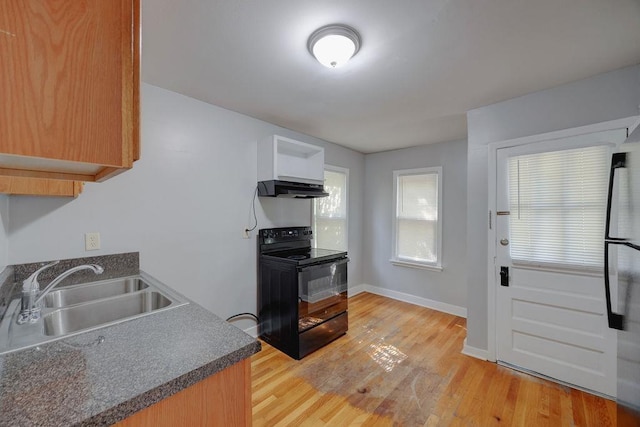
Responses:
[322,292]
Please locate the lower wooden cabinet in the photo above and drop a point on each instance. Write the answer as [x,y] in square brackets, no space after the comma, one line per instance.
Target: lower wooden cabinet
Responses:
[39,186]
[223,399]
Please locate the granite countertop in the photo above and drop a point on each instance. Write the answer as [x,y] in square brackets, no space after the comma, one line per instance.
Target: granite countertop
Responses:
[103,376]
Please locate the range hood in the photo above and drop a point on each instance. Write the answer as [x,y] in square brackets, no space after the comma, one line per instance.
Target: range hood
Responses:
[298,190]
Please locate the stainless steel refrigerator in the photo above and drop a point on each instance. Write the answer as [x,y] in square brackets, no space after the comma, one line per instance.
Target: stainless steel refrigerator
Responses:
[622,273]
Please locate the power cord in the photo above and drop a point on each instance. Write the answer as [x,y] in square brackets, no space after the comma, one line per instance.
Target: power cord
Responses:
[244,314]
[253,208]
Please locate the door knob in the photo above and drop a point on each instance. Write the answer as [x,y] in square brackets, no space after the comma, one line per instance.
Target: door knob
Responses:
[504,242]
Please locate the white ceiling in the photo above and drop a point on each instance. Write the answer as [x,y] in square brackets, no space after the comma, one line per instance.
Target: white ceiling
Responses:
[422,65]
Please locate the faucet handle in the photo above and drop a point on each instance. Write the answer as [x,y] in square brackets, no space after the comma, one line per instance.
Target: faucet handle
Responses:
[31,282]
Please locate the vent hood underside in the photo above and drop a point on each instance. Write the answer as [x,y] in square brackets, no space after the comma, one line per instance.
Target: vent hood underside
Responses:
[298,190]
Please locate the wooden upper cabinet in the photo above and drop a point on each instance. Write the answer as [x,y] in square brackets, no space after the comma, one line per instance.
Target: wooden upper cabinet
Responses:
[69,88]
[17,185]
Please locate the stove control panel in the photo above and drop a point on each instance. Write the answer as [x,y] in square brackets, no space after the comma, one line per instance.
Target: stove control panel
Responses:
[284,234]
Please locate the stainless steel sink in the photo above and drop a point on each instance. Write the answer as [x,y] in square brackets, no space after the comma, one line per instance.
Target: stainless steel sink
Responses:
[81,308]
[83,316]
[76,294]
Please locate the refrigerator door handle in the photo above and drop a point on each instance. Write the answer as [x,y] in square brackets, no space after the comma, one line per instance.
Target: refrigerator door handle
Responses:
[616,321]
[618,160]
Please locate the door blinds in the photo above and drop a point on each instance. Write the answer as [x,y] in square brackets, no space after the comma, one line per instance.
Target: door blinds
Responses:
[557,202]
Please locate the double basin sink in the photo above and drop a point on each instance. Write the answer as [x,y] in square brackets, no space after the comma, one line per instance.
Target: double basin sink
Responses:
[80,308]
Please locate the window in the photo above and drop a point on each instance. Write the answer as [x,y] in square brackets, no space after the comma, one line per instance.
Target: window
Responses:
[417,225]
[557,202]
[330,213]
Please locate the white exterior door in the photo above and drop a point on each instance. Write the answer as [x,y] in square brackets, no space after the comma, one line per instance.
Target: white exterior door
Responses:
[550,310]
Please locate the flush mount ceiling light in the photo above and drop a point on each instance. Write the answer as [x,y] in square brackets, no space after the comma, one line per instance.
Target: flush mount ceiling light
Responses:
[334,45]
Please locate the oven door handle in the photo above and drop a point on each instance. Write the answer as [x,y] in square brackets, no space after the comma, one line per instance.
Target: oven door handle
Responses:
[323,265]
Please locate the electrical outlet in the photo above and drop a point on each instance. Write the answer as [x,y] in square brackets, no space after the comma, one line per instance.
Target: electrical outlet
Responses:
[246,233]
[91,241]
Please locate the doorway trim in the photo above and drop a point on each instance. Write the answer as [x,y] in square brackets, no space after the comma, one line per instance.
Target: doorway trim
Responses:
[492,148]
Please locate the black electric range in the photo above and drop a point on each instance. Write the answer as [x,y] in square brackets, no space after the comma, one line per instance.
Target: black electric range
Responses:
[302,291]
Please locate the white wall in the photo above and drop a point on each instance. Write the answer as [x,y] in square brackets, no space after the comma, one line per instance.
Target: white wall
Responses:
[183,206]
[448,286]
[602,98]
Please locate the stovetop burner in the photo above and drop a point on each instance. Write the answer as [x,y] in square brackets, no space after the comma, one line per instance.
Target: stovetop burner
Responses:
[293,245]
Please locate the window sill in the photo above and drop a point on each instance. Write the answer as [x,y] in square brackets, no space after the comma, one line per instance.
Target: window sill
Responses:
[413,264]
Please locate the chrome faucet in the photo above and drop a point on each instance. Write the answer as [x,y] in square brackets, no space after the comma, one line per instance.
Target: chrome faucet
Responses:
[32,297]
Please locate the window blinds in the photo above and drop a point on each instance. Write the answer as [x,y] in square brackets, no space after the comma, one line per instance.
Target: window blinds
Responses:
[557,202]
[330,213]
[417,217]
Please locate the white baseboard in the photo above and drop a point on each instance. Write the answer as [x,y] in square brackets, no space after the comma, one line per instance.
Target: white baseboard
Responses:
[253,331]
[478,353]
[411,299]
[355,290]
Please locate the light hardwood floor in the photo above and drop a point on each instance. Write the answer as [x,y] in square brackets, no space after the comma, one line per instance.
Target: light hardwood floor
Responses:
[400,364]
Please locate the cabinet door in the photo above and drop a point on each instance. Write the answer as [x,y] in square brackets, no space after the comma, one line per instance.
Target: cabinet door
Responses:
[222,399]
[69,79]
[39,186]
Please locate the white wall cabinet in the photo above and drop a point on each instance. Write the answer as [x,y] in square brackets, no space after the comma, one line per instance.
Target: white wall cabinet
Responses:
[286,159]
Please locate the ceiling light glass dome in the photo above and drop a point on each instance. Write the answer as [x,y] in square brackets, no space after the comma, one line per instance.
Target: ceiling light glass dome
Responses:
[334,45]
